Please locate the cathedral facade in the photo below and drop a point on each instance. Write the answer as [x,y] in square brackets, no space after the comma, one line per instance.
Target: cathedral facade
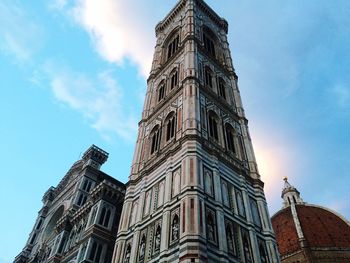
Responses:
[79,218]
[194,193]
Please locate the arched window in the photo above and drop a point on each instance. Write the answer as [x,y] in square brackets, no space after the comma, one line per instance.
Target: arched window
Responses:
[170,124]
[173,45]
[155,139]
[209,40]
[222,89]
[157,239]
[208,77]
[213,125]
[175,228]
[230,138]
[161,92]
[174,79]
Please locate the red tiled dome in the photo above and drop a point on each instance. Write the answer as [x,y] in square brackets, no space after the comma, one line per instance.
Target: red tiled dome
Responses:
[321,228]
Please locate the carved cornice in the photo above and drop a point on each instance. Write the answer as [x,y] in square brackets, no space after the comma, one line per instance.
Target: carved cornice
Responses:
[170,16]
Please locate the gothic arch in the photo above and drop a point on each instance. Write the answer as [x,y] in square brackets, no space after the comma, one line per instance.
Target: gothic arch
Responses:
[170,126]
[154,139]
[213,125]
[171,44]
[50,227]
[231,137]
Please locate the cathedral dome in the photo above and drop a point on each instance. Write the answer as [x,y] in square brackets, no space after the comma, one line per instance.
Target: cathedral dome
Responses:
[321,228]
[309,233]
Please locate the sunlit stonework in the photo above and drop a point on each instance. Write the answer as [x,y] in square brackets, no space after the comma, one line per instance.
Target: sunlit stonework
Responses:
[194,193]
[79,218]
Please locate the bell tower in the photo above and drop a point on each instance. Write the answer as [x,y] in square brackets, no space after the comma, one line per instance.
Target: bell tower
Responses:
[194,193]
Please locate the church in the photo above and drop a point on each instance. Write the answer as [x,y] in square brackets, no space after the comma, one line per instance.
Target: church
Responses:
[194,192]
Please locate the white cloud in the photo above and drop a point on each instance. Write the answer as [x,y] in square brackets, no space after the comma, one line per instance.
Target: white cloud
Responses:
[19,35]
[117,30]
[99,99]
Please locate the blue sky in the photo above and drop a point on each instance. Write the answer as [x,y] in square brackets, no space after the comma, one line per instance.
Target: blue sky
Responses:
[73,74]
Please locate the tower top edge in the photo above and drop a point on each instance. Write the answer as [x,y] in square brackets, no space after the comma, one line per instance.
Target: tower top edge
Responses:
[221,22]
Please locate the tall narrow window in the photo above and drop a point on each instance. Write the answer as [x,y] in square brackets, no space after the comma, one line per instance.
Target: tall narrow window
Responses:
[170,126]
[173,46]
[161,92]
[174,80]
[93,251]
[155,139]
[208,75]
[208,44]
[213,125]
[81,199]
[105,217]
[222,89]
[230,138]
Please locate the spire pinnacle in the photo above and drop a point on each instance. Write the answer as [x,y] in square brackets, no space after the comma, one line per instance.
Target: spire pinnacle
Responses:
[290,195]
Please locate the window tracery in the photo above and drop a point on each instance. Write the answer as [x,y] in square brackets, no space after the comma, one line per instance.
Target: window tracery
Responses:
[155,139]
[174,79]
[213,125]
[222,89]
[230,138]
[161,92]
[173,46]
[208,77]
[170,124]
